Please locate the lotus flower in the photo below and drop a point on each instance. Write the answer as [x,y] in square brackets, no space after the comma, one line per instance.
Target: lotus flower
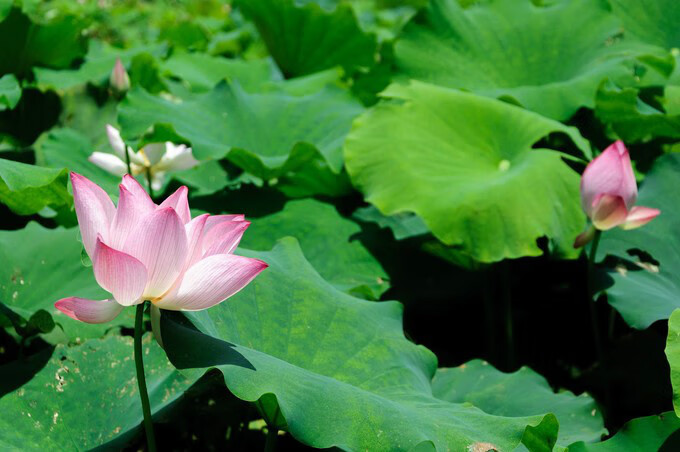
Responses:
[143,251]
[156,157]
[609,192]
[119,79]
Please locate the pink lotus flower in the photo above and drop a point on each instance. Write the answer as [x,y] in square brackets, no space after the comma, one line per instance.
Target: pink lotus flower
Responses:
[609,192]
[143,251]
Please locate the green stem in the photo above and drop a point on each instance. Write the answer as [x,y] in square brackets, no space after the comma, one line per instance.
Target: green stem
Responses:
[127,158]
[507,301]
[270,443]
[593,307]
[141,379]
[148,181]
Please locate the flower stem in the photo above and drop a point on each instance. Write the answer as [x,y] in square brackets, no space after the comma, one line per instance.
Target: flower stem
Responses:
[127,158]
[141,379]
[270,443]
[148,180]
[593,308]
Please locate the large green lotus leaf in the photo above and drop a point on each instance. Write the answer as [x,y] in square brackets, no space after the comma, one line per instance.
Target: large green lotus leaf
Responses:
[266,134]
[327,242]
[521,393]
[465,165]
[27,44]
[639,435]
[10,92]
[86,396]
[338,369]
[515,49]
[41,266]
[632,119]
[96,68]
[653,21]
[304,39]
[27,189]
[202,72]
[67,148]
[646,290]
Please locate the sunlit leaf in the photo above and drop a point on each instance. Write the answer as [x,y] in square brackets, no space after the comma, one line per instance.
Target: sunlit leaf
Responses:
[27,189]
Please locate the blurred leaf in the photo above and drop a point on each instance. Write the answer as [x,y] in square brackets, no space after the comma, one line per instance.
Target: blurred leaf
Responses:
[10,91]
[144,72]
[646,283]
[86,396]
[42,266]
[521,393]
[96,68]
[67,148]
[639,435]
[466,165]
[328,242]
[652,21]
[403,225]
[515,50]
[304,39]
[27,189]
[338,368]
[267,134]
[202,72]
[27,44]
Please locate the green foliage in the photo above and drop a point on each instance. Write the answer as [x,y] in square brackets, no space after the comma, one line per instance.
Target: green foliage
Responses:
[86,396]
[515,50]
[330,359]
[27,189]
[647,264]
[466,166]
[10,91]
[638,435]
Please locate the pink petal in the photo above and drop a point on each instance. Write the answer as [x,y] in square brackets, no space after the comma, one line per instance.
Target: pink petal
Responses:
[119,273]
[94,210]
[130,211]
[194,231]
[224,238]
[640,216]
[610,173]
[179,201]
[214,220]
[608,211]
[141,196]
[89,311]
[160,243]
[210,281]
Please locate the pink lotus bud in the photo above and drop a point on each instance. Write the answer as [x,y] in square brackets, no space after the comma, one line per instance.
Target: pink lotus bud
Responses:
[119,80]
[609,192]
[143,251]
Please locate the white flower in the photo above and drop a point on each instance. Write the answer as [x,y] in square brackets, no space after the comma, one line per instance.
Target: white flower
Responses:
[159,158]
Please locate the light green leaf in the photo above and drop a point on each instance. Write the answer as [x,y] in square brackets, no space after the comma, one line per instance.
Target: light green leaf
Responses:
[10,92]
[517,50]
[86,396]
[673,356]
[521,393]
[41,266]
[202,72]
[267,134]
[652,21]
[327,242]
[465,165]
[648,289]
[338,369]
[27,189]
[639,435]
[330,38]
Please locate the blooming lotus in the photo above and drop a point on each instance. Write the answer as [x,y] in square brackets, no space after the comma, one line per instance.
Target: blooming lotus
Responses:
[155,157]
[143,251]
[609,193]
